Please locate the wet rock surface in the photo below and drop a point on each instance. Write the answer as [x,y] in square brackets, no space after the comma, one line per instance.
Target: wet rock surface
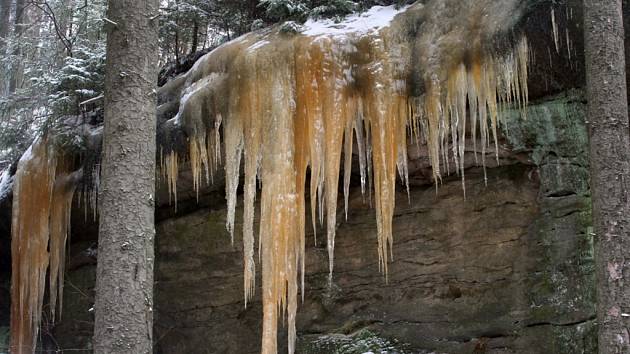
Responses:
[507,270]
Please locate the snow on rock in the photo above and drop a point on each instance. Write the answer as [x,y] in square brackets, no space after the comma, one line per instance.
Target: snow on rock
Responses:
[374,19]
[6,183]
[28,154]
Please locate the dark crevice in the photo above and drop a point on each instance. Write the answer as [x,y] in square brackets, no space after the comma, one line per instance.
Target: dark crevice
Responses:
[565,324]
[561,194]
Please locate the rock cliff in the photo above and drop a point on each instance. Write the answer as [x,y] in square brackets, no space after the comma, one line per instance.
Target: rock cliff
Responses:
[509,269]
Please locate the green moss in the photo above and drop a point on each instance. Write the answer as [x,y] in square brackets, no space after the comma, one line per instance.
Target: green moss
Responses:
[363,341]
[555,135]
[555,127]
[580,339]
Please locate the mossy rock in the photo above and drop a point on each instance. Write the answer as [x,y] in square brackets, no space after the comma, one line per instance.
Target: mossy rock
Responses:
[361,342]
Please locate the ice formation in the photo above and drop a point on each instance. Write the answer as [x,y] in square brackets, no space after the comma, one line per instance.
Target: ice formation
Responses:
[6,183]
[42,197]
[295,104]
[170,170]
[292,107]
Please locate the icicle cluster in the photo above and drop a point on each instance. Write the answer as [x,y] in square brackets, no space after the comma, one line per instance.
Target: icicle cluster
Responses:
[293,107]
[88,194]
[557,38]
[474,92]
[292,103]
[42,197]
[169,166]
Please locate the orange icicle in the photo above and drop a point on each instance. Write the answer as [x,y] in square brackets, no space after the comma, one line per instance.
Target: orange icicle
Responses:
[42,197]
[294,104]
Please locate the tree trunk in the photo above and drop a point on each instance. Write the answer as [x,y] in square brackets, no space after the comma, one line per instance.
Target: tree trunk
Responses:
[177,35]
[195,37]
[65,17]
[5,12]
[177,48]
[610,169]
[124,283]
[18,29]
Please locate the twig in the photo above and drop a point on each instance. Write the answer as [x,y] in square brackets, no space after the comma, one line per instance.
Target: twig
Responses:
[46,9]
[105,19]
[91,100]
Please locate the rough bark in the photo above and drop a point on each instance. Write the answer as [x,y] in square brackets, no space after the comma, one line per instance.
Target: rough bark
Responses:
[124,289]
[18,30]
[610,169]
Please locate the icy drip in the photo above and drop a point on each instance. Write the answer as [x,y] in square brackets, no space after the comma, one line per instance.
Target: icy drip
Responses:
[61,205]
[476,92]
[234,140]
[169,167]
[88,194]
[42,199]
[554,29]
[292,104]
[249,106]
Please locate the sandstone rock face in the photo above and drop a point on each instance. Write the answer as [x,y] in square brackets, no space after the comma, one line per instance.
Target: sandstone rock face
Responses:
[508,270]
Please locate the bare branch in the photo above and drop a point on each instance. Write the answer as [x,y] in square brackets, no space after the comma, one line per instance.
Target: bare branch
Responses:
[48,11]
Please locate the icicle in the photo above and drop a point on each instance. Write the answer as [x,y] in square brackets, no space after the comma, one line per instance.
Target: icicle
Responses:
[252,126]
[61,203]
[304,114]
[523,55]
[568,44]
[278,210]
[359,131]
[554,28]
[171,171]
[96,183]
[400,100]
[42,198]
[233,132]
[195,152]
[32,193]
[312,87]
[333,106]
[347,155]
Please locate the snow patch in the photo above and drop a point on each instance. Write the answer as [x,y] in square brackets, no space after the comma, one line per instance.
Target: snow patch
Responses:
[28,154]
[6,183]
[192,90]
[374,19]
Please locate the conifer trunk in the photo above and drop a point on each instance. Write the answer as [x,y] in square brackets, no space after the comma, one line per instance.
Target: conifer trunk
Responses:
[5,12]
[18,30]
[5,25]
[610,169]
[195,38]
[124,285]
